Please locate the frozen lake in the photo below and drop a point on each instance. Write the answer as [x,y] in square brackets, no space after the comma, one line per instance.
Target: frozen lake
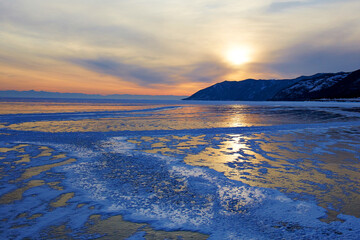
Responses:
[90,169]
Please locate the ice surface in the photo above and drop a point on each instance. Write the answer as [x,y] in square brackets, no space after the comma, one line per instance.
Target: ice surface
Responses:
[246,171]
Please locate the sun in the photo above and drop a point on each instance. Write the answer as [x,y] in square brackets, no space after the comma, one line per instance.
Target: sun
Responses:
[238,56]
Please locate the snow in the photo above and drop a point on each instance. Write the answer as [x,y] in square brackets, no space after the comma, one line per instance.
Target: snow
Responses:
[317,83]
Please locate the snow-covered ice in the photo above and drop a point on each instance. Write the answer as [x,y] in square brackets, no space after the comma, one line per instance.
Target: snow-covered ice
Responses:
[242,170]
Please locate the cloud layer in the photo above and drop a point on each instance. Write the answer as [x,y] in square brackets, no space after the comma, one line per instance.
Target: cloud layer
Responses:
[148,47]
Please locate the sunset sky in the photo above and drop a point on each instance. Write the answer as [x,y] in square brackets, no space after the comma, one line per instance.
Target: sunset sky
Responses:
[163,47]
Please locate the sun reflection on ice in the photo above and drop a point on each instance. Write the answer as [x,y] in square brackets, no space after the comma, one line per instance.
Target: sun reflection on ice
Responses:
[219,157]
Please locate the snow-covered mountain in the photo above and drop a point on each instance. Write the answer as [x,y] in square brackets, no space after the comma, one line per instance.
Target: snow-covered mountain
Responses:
[318,86]
[309,87]
[246,90]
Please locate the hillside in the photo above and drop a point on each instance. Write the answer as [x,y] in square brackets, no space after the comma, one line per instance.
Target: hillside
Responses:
[318,86]
[247,90]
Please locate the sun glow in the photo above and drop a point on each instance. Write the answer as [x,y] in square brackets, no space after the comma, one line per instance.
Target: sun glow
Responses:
[238,56]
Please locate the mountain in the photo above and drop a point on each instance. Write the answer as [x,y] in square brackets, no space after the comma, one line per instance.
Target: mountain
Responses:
[349,87]
[330,86]
[318,86]
[42,94]
[246,90]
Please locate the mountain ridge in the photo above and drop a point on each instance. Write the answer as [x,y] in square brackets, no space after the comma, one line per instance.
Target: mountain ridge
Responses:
[317,86]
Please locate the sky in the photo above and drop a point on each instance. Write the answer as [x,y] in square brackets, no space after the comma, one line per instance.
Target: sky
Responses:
[171,47]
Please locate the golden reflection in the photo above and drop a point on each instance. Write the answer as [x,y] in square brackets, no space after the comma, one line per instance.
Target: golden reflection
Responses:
[134,141]
[52,107]
[186,235]
[185,143]
[157,145]
[61,201]
[293,162]
[217,158]
[190,117]
[17,194]
[59,156]
[24,159]
[116,228]
[33,171]
[113,227]
[24,215]
[20,226]
[55,185]
[17,148]
[21,215]
[45,152]
[34,216]
[58,232]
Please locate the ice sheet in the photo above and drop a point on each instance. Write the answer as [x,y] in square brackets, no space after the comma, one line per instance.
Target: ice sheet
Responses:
[231,171]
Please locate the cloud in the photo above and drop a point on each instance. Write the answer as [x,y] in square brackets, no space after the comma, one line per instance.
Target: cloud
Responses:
[207,72]
[312,61]
[145,76]
[281,6]
[167,43]
[331,50]
[276,7]
[130,72]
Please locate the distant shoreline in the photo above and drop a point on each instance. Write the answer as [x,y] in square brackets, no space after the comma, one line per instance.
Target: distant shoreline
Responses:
[58,95]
